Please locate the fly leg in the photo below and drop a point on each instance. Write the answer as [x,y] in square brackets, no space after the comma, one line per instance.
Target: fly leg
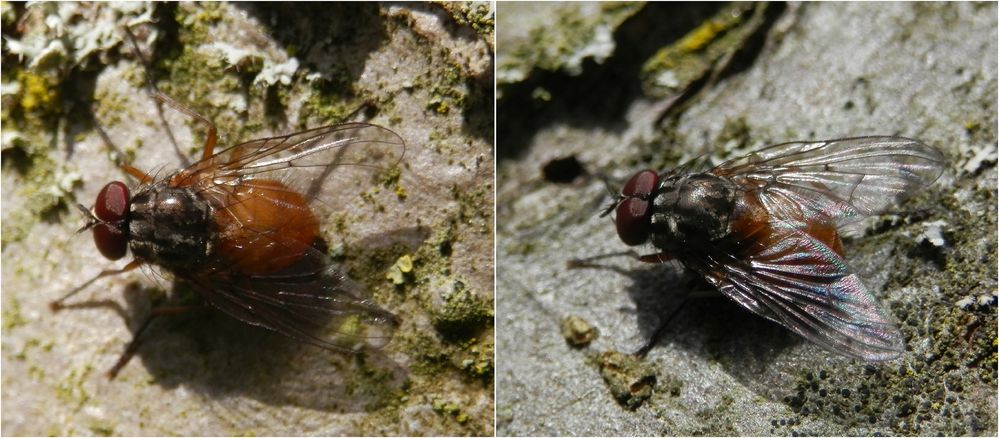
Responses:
[588,262]
[136,342]
[58,305]
[661,330]
[151,83]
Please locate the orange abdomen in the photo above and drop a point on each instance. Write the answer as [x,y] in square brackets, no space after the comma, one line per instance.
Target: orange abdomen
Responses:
[264,227]
[750,223]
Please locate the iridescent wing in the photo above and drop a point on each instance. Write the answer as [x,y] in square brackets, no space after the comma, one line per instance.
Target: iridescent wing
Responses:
[784,274]
[837,181]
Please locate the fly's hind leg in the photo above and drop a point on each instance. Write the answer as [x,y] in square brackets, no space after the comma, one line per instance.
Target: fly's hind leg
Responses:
[661,329]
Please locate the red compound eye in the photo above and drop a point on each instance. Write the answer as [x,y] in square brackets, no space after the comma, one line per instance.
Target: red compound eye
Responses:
[632,221]
[111,241]
[112,202]
[632,215]
[111,235]
[641,184]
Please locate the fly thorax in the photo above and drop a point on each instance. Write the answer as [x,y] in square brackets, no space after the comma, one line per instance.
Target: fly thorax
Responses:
[691,210]
[170,226]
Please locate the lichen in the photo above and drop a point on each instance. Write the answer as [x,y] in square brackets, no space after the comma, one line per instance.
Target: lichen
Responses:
[12,315]
[570,34]
[629,380]
[463,313]
[577,331]
[450,409]
[476,14]
[678,65]
[402,271]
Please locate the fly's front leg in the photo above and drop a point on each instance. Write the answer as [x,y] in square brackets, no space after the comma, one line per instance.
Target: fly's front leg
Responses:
[57,305]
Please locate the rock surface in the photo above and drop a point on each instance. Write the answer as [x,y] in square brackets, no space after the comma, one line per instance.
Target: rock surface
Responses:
[423,246]
[820,71]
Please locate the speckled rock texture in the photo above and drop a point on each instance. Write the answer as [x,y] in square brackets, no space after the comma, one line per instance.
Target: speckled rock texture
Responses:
[423,246]
[809,71]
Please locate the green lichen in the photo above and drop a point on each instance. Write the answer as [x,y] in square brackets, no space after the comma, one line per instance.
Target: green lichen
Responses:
[202,80]
[479,363]
[716,420]
[471,202]
[12,316]
[28,345]
[449,91]
[450,409]
[376,384]
[39,92]
[630,380]
[577,331]
[565,40]
[735,133]
[392,178]
[102,429]
[332,101]
[402,271]
[478,16]
[463,314]
[113,108]
[47,185]
[195,79]
[678,65]
[71,391]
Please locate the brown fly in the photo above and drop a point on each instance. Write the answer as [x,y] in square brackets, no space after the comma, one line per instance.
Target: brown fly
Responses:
[242,226]
[764,229]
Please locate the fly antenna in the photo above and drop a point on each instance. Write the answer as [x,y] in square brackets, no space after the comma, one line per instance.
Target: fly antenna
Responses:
[614,194]
[91,219]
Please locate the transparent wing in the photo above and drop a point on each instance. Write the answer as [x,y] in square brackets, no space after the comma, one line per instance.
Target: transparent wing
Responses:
[311,301]
[840,180]
[263,188]
[319,163]
[799,282]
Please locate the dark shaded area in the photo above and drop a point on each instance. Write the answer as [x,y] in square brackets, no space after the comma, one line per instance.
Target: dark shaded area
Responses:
[563,170]
[220,356]
[167,45]
[731,331]
[479,110]
[599,96]
[334,39]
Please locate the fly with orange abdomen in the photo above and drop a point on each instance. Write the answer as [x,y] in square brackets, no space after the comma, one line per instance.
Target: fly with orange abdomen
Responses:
[240,227]
[764,230]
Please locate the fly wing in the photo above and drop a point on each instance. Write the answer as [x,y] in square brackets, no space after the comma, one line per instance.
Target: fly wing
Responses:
[789,277]
[840,181]
[306,297]
[311,301]
[323,164]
